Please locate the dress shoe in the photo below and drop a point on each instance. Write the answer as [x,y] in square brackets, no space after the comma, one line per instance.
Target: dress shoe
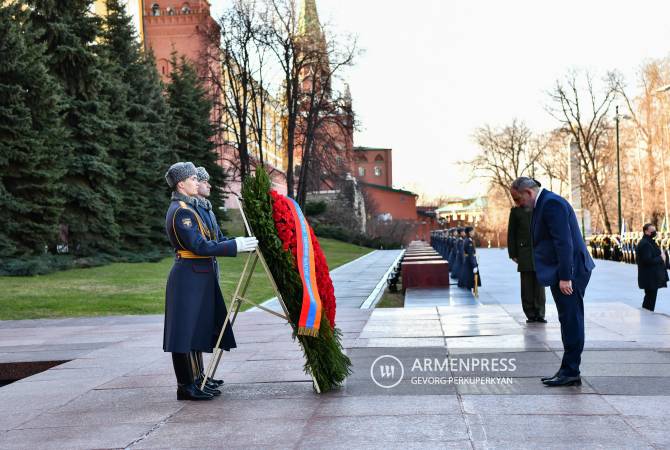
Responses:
[531,320]
[210,384]
[541,320]
[217,383]
[191,392]
[563,380]
[213,391]
[543,379]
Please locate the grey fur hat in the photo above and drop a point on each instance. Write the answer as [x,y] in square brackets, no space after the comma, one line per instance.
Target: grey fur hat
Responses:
[179,172]
[202,174]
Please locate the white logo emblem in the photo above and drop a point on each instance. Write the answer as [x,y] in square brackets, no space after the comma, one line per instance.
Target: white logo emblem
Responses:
[387,371]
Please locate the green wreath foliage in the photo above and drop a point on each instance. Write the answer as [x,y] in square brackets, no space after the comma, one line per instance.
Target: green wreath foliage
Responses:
[325,358]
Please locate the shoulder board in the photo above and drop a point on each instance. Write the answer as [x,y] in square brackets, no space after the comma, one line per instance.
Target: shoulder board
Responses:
[203,230]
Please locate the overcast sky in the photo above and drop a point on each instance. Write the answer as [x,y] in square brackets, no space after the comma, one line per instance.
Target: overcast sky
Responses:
[434,70]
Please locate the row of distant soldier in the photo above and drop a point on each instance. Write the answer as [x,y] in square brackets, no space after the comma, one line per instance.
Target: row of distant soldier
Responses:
[457,246]
[613,247]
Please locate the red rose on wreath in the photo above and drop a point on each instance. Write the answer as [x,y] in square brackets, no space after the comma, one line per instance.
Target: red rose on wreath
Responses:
[281,215]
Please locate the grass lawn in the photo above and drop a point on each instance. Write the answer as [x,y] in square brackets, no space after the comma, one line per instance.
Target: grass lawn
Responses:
[128,288]
[392,299]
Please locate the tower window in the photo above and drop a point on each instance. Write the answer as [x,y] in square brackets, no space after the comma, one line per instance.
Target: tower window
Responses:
[361,171]
[186,9]
[379,158]
[378,171]
[170,11]
[155,9]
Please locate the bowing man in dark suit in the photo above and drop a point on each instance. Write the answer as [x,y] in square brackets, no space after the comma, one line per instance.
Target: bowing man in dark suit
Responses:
[563,263]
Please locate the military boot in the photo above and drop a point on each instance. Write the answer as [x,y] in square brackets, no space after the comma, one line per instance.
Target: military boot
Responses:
[186,386]
[210,381]
[199,375]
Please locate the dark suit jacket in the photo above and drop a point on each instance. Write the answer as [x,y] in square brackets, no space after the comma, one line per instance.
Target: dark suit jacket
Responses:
[651,272]
[559,249]
[519,242]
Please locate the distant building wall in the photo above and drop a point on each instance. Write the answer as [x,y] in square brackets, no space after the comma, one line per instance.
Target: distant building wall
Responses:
[178,26]
[373,165]
[399,204]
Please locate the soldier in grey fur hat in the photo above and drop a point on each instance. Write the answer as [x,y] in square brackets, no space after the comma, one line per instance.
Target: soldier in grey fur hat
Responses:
[179,172]
[194,306]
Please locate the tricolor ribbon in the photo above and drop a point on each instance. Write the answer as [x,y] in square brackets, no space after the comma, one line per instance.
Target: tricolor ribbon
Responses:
[310,313]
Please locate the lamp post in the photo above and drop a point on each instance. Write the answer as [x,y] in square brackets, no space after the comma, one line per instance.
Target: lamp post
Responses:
[618,169]
[618,118]
[662,89]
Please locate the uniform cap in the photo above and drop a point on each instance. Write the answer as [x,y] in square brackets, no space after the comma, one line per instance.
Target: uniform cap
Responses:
[202,174]
[179,172]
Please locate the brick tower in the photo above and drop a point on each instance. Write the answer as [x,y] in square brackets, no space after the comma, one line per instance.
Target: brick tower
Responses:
[333,142]
[182,26]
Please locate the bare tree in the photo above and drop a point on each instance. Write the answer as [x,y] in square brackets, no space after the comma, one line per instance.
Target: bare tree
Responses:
[553,159]
[308,64]
[648,112]
[505,154]
[281,39]
[241,60]
[583,114]
[325,122]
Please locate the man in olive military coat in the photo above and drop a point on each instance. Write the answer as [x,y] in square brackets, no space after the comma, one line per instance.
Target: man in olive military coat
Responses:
[520,249]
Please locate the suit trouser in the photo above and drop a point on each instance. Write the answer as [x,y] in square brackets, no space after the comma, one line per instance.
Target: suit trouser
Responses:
[532,295]
[649,299]
[571,316]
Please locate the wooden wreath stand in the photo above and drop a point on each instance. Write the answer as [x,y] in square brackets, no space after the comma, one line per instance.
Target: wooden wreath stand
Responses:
[239,298]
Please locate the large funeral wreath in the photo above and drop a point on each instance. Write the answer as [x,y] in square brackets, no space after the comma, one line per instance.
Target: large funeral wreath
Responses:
[270,219]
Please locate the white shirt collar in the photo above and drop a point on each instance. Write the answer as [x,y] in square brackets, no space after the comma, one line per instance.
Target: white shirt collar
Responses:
[538,196]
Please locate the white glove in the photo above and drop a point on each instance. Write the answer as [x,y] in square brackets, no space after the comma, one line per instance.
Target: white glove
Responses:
[475,270]
[246,244]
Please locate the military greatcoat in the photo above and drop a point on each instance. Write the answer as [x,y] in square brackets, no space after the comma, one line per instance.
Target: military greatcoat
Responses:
[194,307]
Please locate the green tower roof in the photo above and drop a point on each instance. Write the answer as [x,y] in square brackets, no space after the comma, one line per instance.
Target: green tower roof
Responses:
[308,21]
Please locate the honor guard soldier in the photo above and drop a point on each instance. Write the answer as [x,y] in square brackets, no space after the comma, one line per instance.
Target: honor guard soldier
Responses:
[443,239]
[616,248]
[458,253]
[454,246]
[194,306]
[662,241]
[626,247]
[450,247]
[204,209]
[627,251]
[599,246]
[469,266]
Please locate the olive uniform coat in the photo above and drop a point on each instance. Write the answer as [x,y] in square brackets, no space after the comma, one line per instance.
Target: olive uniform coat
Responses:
[519,242]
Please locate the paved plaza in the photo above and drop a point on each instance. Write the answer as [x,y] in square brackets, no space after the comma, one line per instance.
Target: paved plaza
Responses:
[117,390]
